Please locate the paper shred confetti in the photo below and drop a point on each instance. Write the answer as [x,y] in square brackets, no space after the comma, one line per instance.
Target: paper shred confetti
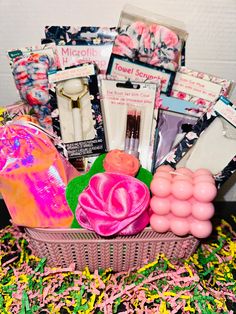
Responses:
[205,283]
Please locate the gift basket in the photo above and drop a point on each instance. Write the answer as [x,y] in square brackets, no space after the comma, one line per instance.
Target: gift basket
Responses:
[86,248]
[109,171]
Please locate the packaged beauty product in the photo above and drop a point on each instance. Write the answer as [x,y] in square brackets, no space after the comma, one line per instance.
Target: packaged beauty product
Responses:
[147,47]
[77,115]
[171,129]
[76,45]
[192,94]
[173,122]
[128,110]
[211,144]
[30,67]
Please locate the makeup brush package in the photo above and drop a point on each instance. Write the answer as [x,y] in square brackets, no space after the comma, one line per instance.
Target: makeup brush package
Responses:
[129,113]
[147,47]
[76,114]
[80,44]
[211,143]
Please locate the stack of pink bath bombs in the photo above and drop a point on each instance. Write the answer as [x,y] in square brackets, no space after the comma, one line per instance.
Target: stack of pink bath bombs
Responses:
[182,201]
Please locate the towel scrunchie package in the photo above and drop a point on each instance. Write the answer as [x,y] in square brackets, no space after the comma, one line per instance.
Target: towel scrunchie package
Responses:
[33,177]
[150,38]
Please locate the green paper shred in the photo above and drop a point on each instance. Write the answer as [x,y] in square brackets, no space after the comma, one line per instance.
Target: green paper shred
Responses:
[116,305]
[3,311]
[41,264]
[78,298]
[25,305]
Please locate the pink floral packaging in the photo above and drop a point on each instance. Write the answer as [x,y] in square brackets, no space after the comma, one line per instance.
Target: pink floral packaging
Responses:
[81,44]
[198,91]
[30,67]
[148,47]
[33,177]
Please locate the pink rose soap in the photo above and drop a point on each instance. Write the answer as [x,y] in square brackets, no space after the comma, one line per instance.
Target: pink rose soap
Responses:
[121,162]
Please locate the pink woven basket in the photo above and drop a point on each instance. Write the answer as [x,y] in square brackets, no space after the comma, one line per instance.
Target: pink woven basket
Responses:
[62,247]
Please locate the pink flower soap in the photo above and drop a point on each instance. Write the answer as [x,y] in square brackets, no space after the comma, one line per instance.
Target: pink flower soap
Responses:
[121,162]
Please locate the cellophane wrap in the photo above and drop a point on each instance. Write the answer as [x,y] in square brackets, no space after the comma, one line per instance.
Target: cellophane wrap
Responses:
[33,178]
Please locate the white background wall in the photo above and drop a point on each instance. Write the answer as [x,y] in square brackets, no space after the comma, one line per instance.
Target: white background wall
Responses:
[211,46]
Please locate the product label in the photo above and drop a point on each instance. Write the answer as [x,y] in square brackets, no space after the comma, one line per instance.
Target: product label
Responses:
[74,55]
[179,105]
[140,72]
[81,71]
[197,87]
[224,107]
[85,148]
[47,49]
[142,96]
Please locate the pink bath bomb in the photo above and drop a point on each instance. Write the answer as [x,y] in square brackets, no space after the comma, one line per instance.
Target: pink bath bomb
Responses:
[204,191]
[159,223]
[200,229]
[203,211]
[160,205]
[179,226]
[202,171]
[160,187]
[203,178]
[181,208]
[182,189]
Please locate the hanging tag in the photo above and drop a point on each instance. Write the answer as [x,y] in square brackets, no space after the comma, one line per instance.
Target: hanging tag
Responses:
[128,84]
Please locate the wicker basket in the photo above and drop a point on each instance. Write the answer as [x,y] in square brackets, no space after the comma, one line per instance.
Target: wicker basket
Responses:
[62,247]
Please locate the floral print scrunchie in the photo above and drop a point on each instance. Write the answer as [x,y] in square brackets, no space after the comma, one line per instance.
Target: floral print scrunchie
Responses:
[153,44]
